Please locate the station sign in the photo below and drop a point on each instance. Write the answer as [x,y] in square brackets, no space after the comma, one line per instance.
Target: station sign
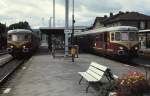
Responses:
[70,31]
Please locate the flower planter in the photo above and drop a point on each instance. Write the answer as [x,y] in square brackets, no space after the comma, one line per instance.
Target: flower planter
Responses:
[113,94]
[133,84]
[146,94]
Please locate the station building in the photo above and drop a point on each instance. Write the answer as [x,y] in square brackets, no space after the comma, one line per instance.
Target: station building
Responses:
[139,20]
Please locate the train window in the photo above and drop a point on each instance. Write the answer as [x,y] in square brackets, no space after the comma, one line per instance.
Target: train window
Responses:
[112,36]
[117,36]
[14,37]
[133,36]
[124,36]
[26,37]
[105,37]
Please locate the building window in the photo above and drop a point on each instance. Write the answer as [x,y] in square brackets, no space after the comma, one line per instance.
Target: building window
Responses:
[142,25]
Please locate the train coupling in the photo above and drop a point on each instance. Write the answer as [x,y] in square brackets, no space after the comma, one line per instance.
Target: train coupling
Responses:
[121,52]
[9,50]
[25,50]
[140,53]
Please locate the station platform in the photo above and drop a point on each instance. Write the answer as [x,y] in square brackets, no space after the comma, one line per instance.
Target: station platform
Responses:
[145,51]
[44,75]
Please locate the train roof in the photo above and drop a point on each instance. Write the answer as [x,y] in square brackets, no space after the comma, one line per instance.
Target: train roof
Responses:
[19,31]
[108,29]
[144,31]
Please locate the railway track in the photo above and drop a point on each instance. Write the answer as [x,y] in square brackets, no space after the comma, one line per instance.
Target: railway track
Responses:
[3,53]
[137,62]
[9,67]
[4,59]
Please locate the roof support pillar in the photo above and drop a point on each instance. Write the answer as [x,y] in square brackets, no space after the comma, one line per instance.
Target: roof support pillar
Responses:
[66,25]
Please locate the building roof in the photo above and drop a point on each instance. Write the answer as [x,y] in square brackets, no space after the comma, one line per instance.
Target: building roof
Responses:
[108,29]
[78,27]
[70,27]
[126,16]
[48,30]
[99,19]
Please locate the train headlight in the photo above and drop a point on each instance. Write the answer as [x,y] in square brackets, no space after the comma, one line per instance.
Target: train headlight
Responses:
[11,46]
[24,46]
[95,44]
[136,48]
[121,48]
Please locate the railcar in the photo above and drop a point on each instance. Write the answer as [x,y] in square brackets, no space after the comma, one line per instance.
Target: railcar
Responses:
[144,39]
[119,41]
[22,42]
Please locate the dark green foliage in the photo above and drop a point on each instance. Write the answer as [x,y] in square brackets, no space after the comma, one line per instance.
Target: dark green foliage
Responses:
[2,35]
[2,28]
[20,25]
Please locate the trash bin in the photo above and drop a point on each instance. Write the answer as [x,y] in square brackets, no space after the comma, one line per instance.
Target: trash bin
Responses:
[74,51]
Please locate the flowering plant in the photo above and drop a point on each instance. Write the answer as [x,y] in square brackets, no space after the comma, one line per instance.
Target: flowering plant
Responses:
[133,84]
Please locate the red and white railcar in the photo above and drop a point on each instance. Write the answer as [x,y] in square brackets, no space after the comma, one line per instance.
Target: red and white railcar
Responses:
[117,41]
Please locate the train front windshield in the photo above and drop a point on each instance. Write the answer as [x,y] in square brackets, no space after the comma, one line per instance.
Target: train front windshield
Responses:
[125,36]
[19,37]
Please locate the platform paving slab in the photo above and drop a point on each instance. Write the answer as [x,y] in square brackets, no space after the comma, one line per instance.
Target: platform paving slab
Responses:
[46,76]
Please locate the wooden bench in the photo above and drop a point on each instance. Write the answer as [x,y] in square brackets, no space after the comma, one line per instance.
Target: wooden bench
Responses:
[95,73]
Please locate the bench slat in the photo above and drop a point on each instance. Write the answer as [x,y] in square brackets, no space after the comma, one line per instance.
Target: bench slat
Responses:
[115,76]
[88,77]
[101,67]
[97,71]
[93,74]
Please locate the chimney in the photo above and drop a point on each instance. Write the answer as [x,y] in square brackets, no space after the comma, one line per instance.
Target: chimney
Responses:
[120,12]
[105,16]
[111,14]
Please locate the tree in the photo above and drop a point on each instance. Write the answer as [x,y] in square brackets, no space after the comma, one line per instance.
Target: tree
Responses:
[20,25]
[2,35]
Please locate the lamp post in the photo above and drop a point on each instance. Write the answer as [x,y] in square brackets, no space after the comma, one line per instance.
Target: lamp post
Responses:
[72,34]
[73,22]
[50,22]
[53,13]
[42,21]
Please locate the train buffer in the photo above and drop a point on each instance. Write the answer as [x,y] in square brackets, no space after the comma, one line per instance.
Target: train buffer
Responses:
[95,73]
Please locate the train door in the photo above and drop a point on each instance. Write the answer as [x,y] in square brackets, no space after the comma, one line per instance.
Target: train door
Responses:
[100,43]
[105,42]
[97,43]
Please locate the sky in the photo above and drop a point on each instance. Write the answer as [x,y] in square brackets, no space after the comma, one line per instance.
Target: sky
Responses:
[38,12]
